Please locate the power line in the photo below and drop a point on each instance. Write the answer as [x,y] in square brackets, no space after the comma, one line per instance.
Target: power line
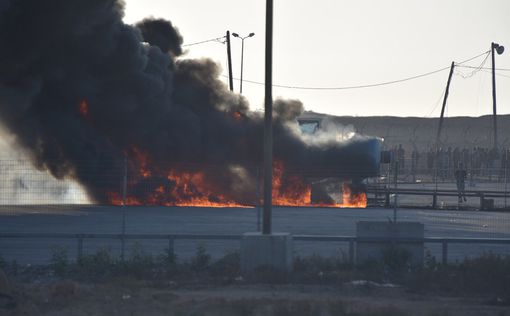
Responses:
[349,87]
[437,103]
[484,68]
[217,39]
[497,74]
[366,85]
[475,69]
[472,58]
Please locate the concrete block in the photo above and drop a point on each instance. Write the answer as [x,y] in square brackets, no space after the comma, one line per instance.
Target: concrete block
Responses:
[368,250]
[273,250]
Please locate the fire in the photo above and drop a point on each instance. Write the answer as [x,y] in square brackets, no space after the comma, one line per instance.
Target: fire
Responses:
[293,191]
[237,115]
[350,200]
[83,108]
[182,189]
[175,187]
[142,159]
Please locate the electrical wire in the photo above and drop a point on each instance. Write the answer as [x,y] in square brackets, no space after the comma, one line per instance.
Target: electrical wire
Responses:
[437,103]
[217,39]
[349,87]
[366,85]
[475,69]
[497,74]
[484,68]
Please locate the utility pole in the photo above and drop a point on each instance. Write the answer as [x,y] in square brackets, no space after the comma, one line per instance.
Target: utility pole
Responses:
[268,123]
[444,104]
[438,136]
[499,49]
[229,57]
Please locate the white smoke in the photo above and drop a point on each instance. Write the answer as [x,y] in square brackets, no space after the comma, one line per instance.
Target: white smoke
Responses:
[328,132]
[21,183]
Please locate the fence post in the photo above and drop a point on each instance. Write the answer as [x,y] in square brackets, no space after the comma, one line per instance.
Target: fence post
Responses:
[436,167]
[506,180]
[351,252]
[387,198]
[122,247]
[396,193]
[445,252]
[124,192]
[171,247]
[258,199]
[79,253]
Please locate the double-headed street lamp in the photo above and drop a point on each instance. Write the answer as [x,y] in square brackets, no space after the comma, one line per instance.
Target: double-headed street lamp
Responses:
[242,55]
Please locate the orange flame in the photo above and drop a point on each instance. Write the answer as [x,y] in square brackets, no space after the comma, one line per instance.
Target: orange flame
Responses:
[142,159]
[289,191]
[194,189]
[83,108]
[350,200]
[237,115]
[298,193]
[188,189]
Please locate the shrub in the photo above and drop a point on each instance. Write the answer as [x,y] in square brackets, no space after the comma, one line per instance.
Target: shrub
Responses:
[268,274]
[139,262]
[99,264]
[3,263]
[315,269]
[59,260]
[228,266]
[168,258]
[201,260]
[488,274]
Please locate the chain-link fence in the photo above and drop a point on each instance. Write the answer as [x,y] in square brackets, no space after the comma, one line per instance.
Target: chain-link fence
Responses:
[135,199]
[478,188]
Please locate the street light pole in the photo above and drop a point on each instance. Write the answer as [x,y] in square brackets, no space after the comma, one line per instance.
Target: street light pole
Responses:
[242,56]
[499,49]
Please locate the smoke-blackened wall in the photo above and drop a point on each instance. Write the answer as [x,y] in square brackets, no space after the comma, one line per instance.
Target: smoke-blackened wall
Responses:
[81,90]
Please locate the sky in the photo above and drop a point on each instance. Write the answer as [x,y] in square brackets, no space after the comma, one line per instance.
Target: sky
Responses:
[344,43]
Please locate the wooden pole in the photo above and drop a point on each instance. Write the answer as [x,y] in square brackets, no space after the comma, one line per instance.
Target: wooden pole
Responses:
[229,57]
[444,104]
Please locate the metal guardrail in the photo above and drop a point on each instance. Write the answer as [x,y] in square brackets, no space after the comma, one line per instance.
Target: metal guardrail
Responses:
[434,193]
[487,193]
[312,238]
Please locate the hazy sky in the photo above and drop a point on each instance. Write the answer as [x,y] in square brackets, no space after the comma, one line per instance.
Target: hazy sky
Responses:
[338,43]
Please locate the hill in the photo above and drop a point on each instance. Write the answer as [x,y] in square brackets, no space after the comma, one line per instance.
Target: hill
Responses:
[421,132]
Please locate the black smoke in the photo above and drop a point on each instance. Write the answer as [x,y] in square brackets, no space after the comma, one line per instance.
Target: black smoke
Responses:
[161,33]
[140,99]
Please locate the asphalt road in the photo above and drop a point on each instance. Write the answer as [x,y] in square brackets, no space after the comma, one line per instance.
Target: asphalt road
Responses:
[178,220]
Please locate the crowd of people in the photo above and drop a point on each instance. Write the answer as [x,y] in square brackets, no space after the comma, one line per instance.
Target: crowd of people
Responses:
[443,162]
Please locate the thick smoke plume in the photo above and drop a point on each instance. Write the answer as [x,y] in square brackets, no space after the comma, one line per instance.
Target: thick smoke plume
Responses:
[161,33]
[83,92]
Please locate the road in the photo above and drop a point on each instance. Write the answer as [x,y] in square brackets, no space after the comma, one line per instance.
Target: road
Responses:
[178,220]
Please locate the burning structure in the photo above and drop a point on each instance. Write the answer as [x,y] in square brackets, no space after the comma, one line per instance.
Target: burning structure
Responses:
[92,99]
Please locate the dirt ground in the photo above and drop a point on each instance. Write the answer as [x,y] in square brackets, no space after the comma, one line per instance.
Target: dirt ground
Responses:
[131,297]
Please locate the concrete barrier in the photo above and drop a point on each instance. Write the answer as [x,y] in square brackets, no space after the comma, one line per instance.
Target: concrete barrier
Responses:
[376,238]
[272,250]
